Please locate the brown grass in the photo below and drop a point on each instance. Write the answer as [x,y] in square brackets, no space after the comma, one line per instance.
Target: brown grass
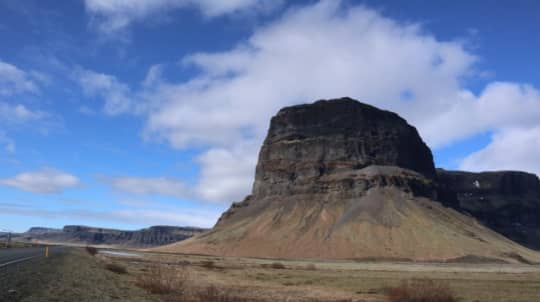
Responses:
[116,268]
[164,280]
[211,293]
[420,290]
[91,250]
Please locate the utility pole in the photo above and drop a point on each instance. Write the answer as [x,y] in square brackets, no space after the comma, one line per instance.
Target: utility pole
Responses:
[8,237]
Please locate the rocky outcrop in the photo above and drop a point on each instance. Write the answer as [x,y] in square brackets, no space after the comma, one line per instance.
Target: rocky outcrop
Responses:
[149,237]
[328,137]
[506,201]
[42,230]
[342,179]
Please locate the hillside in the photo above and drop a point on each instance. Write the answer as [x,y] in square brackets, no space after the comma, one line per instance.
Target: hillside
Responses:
[345,180]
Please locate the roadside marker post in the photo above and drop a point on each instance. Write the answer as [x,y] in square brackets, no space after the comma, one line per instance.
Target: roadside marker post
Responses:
[46,252]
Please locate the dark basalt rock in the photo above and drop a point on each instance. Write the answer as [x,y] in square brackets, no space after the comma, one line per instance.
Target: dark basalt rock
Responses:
[507,201]
[308,142]
[339,148]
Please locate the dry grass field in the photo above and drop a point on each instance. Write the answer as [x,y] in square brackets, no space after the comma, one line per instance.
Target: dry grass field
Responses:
[205,278]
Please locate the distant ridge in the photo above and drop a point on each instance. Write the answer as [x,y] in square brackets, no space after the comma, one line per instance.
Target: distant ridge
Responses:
[506,201]
[143,238]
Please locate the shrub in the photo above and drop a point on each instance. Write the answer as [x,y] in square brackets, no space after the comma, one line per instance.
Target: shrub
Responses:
[311,267]
[164,280]
[277,265]
[208,264]
[116,268]
[420,290]
[91,250]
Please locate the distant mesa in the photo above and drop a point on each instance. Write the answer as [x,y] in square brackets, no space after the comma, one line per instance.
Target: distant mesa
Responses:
[84,235]
[341,179]
[507,201]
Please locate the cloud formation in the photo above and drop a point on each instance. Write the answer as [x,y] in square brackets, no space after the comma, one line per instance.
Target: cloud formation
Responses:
[45,181]
[147,185]
[16,114]
[14,80]
[510,149]
[325,50]
[139,217]
[115,93]
[7,142]
[113,15]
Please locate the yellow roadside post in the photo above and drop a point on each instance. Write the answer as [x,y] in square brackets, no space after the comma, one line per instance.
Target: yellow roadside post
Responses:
[46,252]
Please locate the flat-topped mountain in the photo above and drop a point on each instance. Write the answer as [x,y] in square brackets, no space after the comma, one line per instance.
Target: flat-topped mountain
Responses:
[76,234]
[506,201]
[42,230]
[342,179]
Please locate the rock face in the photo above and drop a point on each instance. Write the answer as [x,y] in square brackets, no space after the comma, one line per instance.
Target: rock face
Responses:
[330,137]
[507,201]
[341,179]
[76,234]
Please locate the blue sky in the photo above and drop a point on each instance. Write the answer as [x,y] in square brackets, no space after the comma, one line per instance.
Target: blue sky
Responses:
[134,113]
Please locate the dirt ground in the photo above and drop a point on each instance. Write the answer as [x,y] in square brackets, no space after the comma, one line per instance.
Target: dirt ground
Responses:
[257,279]
[75,275]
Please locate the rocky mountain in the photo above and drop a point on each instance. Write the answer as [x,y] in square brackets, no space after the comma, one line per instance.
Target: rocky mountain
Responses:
[42,230]
[506,201]
[342,179]
[76,234]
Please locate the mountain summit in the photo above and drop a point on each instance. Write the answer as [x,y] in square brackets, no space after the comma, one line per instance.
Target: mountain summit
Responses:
[342,179]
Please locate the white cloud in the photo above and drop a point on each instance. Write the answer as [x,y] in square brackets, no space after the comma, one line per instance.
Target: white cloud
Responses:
[7,142]
[148,185]
[319,51]
[13,114]
[510,149]
[117,95]
[114,15]
[139,217]
[14,80]
[18,115]
[46,181]
[227,173]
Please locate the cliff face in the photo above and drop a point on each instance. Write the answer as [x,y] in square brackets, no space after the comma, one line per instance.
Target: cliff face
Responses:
[507,201]
[341,179]
[328,137]
[153,236]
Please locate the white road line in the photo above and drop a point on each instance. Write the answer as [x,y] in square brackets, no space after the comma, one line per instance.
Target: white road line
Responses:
[15,261]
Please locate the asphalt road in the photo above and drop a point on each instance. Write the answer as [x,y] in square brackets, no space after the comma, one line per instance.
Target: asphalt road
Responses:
[24,272]
[12,256]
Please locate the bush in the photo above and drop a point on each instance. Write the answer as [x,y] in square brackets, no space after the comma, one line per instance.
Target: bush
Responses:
[311,267]
[164,280]
[91,250]
[277,265]
[116,268]
[420,290]
[208,264]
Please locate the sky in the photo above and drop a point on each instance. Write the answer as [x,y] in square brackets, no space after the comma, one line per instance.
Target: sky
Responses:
[127,114]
